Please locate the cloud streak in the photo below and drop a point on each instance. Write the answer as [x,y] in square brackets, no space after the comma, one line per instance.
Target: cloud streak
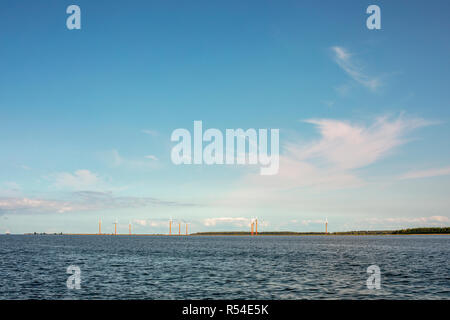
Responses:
[330,161]
[237,221]
[435,172]
[350,146]
[82,201]
[80,179]
[151,223]
[333,161]
[432,220]
[345,61]
[114,159]
[151,157]
[24,205]
[150,132]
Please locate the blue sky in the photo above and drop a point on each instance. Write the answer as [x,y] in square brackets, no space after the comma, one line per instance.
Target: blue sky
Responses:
[86,115]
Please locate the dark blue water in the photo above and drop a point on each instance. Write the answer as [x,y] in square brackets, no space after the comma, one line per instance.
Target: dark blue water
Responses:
[271,267]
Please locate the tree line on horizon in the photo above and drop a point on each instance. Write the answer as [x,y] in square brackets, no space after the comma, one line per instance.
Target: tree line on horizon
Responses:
[429,230]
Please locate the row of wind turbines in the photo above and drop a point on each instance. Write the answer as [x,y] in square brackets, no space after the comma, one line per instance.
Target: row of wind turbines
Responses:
[253,227]
[179,227]
[115,227]
[129,227]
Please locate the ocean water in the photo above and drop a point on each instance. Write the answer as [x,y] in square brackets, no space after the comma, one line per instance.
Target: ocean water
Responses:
[224,267]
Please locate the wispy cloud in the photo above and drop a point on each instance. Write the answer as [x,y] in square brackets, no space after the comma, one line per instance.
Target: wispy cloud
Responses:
[24,205]
[394,223]
[349,146]
[343,146]
[151,157]
[422,221]
[10,189]
[80,179]
[236,221]
[114,159]
[434,172]
[150,132]
[151,222]
[104,200]
[345,60]
[316,221]
[330,162]
[82,201]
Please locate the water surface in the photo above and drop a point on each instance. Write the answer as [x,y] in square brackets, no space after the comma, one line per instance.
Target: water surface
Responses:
[224,267]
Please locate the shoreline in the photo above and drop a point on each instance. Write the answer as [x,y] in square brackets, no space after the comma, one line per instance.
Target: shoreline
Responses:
[412,231]
[228,235]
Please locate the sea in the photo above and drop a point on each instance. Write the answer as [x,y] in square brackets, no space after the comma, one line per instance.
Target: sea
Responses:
[224,267]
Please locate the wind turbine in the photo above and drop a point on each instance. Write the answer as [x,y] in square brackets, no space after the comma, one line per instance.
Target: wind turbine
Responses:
[115,227]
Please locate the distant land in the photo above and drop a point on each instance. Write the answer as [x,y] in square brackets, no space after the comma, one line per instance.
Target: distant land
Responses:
[445,230]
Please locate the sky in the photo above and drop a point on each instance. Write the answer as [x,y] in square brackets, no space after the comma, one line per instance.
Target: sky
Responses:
[87,115]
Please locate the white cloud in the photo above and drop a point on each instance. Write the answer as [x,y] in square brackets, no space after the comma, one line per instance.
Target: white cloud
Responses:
[82,201]
[349,146]
[115,159]
[317,221]
[10,189]
[141,222]
[345,60]
[151,223]
[435,172]
[150,132]
[393,223]
[432,220]
[295,173]
[239,221]
[13,205]
[151,157]
[79,180]
[330,162]
[102,200]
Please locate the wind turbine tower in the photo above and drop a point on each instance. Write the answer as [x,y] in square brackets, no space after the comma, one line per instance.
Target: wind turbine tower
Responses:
[326,226]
